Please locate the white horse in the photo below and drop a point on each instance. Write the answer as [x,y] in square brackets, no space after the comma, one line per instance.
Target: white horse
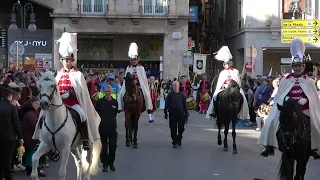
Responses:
[59,132]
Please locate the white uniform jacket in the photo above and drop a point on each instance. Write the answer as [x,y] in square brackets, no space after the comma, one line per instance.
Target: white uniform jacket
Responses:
[143,84]
[268,133]
[79,85]
[244,113]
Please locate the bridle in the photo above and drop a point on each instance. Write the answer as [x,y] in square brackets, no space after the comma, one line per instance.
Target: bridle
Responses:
[50,97]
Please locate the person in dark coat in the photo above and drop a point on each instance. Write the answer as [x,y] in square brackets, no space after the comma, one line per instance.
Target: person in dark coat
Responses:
[107,108]
[178,113]
[9,132]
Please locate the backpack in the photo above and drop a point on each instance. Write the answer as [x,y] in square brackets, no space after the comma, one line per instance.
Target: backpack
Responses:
[260,93]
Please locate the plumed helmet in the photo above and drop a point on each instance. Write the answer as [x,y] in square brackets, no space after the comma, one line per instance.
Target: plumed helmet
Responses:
[133,50]
[67,45]
[297,50]
[111,76]
[224,54]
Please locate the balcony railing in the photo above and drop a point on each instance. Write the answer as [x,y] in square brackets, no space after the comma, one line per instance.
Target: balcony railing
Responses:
[154,10]
[94,9]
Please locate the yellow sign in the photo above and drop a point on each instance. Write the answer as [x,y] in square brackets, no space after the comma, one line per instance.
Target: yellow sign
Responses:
[305,39]
[300,31]
[300,23]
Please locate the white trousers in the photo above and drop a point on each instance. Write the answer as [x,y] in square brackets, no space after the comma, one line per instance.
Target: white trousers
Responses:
[79,109]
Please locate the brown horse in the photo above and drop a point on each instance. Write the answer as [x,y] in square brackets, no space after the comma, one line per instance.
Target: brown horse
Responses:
[133,105]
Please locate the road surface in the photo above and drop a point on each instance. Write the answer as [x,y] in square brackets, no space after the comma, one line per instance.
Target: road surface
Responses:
[199,158]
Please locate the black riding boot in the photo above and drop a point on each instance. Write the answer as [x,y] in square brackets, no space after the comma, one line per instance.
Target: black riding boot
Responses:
[268,151]
[315,155]
[85,136]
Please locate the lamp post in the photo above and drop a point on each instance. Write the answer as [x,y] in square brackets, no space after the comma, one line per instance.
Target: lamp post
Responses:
[23,10]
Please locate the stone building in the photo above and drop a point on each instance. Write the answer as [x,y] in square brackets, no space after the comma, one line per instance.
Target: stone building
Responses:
[107,27]
[258,23]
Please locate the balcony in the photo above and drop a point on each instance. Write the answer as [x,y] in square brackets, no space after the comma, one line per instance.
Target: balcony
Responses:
[154,10]
[94,9]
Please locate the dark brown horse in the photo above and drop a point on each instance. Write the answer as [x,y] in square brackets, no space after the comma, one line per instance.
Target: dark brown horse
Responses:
[133,105]
[294,140]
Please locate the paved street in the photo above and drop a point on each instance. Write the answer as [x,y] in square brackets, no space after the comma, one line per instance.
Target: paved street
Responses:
[199,158]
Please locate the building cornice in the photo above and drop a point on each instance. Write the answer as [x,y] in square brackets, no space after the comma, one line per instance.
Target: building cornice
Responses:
[253,29]
[63,15]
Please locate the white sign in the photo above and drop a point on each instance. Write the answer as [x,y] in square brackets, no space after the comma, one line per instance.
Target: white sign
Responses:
[176,35]
[286,60]
[43,56]
[47,64]
[34,43]
[39,64]
[199,63]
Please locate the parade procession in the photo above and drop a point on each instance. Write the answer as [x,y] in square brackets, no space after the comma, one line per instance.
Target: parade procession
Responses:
[159,89]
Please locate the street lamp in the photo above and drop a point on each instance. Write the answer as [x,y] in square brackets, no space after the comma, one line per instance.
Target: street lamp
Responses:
[23,11]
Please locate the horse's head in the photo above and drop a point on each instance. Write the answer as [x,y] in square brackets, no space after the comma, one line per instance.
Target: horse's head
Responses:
[234,85]
[48,90]
[287,114]
[129,83]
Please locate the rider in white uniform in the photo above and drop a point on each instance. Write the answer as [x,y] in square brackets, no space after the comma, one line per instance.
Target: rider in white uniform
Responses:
[301,88]
[226,76]
[141,80]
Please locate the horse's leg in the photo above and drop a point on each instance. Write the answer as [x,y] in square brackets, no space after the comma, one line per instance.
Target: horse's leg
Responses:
[128,126]
[302,160]
[219,132]
[89,160]
[226,130]
[42,149]
[234,121]
[64,161]
[135,132]
[77,159]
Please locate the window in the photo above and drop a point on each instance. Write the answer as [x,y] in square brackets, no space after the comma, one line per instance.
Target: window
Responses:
[93,7]
[154,7]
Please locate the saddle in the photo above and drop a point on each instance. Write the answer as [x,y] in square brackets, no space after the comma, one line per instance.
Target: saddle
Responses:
[75,117]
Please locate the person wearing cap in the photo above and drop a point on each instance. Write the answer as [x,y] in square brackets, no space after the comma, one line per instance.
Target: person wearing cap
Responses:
[141,81]
[74,92]
[115,87]
[225,77]
[298,86]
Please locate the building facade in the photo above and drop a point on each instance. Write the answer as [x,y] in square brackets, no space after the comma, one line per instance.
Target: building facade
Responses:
[159,27]
[258,23]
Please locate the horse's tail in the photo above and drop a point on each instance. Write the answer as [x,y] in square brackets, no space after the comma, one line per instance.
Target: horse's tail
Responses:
[94,168]
[286,166]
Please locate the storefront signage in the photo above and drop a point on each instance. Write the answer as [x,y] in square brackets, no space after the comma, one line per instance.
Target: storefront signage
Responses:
[151,67]
[35,43]
[42,56]
[299,23]
[305,39]
[3,37]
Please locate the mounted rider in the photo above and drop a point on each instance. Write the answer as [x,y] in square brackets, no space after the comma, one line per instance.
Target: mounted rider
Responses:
[226,76]
[74,91]
[301,88]
[141,81]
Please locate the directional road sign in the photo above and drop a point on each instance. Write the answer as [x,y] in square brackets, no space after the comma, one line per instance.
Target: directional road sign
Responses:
[299,23]
[300,31]
[305,39]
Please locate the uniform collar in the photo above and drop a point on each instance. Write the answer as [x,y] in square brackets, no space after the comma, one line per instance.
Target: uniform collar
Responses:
[73,69]
[291,75]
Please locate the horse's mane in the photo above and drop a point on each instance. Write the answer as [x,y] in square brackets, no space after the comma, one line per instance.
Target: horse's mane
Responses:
[232,88]
[47,76]
[130,86]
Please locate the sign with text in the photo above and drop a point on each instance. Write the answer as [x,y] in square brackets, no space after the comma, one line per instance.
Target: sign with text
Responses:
[193,11]
[302,31]
[306,30]
[299,23]
[305,39]
[3,37]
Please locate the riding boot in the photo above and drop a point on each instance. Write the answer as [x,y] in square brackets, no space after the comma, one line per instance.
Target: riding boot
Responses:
[268,151]
[315,155]
[85,136]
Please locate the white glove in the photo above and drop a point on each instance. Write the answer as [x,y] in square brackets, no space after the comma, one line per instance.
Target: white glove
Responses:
[286,98]
[303,101]
[65,95]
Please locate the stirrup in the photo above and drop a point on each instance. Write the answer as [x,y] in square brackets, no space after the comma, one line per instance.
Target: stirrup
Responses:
[86,145]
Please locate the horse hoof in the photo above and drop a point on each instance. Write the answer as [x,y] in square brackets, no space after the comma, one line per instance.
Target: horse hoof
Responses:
[225,149]
[235,151]
[219,142]
[135,146]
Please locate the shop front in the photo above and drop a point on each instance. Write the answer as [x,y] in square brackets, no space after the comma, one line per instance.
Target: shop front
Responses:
[30,50]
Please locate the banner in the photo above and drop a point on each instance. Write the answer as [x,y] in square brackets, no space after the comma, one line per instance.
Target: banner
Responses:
[193,11]
[199,63]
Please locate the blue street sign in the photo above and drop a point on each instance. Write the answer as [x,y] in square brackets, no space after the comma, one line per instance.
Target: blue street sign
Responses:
[193,11]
